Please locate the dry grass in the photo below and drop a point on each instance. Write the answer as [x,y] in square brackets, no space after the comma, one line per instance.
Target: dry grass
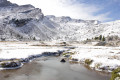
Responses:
[114,57]
[15,60]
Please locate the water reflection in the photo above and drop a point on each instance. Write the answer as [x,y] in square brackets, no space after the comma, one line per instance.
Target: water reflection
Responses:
[52,69]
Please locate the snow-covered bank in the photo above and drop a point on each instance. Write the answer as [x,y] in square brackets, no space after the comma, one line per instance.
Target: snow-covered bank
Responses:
[17,50]
[103,58]
[12,55]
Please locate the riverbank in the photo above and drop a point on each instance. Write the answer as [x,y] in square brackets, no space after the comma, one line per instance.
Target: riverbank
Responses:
[14,54]
[100,58]
[50,68]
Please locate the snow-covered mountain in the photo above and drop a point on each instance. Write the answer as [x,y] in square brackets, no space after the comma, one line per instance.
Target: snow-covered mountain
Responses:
[24,23]
[77,29]
[29,23]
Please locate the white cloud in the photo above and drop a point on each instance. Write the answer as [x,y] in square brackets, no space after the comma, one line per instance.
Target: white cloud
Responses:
[70,8]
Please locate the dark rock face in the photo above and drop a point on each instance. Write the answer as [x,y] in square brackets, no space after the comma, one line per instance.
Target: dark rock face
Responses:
[63,60]
[20,23]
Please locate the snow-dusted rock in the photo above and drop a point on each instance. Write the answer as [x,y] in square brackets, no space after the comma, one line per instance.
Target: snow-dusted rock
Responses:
[10,64]
[77,29]
[26,22]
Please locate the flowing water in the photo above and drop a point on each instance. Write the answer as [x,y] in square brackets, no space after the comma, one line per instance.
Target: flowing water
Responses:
[51,68]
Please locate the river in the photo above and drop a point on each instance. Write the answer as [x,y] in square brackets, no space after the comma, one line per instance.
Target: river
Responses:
[50,68]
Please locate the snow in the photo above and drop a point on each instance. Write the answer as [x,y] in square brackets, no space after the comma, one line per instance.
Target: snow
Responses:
[79,30]
[15,50]
[49,28]
[36,25]
[105,56]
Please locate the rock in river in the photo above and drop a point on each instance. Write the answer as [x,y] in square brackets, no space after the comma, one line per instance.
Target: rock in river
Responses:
[63,60]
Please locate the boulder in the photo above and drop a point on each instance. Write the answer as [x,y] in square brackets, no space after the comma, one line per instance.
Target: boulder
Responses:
[63,60]
[10,64]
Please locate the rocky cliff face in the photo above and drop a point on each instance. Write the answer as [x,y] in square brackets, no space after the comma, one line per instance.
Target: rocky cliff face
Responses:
[24,23]
[29,23]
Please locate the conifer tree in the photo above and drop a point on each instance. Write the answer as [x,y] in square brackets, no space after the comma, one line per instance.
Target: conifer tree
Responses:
[100,37]
[103,39]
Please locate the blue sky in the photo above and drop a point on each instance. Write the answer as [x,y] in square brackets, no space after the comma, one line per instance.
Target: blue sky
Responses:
[102,10]
[108,6]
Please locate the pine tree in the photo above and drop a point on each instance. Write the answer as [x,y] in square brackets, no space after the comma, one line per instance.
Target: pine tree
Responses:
[34,38]
[103,39]
[100,37]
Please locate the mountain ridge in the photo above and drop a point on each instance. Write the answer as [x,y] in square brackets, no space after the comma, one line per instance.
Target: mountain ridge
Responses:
[25,22]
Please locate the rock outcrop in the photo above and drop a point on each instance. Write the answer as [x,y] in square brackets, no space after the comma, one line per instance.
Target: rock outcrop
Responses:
[25,22]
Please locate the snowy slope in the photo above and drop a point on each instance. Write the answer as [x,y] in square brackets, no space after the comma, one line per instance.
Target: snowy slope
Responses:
[77,29]
[24,23]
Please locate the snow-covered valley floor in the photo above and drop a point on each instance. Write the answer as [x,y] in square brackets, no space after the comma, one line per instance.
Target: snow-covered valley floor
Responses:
[102,58]
[14,54]
[10,50]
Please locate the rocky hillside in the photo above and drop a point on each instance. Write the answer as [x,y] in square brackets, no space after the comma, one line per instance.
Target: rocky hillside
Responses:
[77,29]
[74,29]
[29,23]
[24,23]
